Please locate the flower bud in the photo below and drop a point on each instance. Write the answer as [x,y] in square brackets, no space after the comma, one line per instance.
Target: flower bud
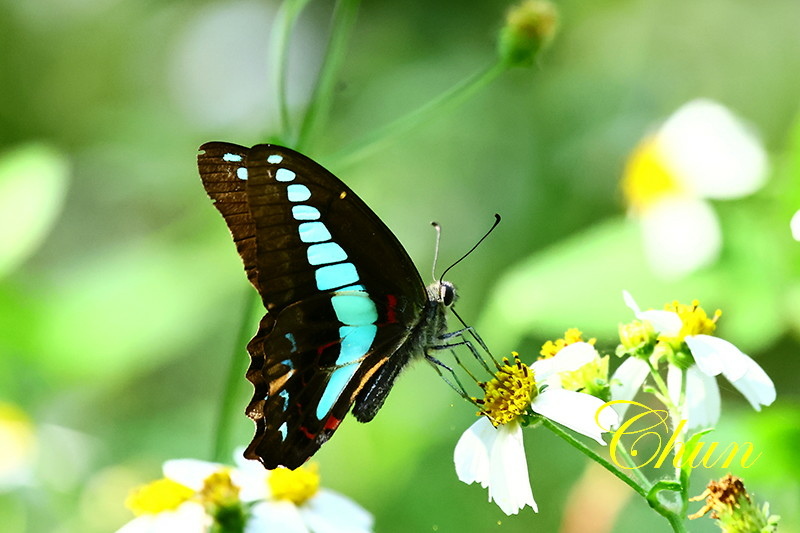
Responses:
[530,26]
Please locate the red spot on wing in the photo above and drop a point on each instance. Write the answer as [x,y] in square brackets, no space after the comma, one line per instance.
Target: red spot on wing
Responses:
[306,432]
[391,308]
[332,423]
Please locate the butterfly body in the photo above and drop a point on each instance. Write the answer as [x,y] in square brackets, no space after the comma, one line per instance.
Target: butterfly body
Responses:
[346,308]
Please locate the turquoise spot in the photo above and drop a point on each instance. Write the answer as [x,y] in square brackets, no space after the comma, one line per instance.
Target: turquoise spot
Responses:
[284,429]
[313,232]
[274,159]
[288,362]
[327,252]
[332,276]
[298,193]
[336,384]
[305,212]
[290,338]
[354,308]
[284,174]
[233,158]
[241,173]
[356,342]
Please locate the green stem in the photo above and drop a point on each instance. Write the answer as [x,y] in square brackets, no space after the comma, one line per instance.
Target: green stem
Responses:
[552,426]
[343,20]
[634,468]
[448,100]
[236,369]
[281,33]
[675,519]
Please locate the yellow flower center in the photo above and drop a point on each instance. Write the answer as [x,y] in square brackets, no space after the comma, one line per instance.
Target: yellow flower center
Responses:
[509,394]
[636,334]
[219,490]
[694,320]
[571,336]
[648,178]
[157,497]
[297,486]
[17,438]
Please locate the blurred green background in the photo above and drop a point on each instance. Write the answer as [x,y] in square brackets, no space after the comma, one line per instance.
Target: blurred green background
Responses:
[121,292]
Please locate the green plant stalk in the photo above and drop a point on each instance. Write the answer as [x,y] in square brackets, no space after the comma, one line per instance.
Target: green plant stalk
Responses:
[236,369]
[581,447]
[648,493]
[344,17]
[282,28]
[448,100]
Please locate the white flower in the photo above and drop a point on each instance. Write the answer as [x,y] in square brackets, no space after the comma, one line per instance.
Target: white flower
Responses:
[712,356]
[495,457]
[794,225]
[189,517]
[282,500]
[170,504]
[701,152]
[312,509]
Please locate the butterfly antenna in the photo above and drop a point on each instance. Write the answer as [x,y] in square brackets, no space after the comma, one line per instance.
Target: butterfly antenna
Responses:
[496,222]
[438,229]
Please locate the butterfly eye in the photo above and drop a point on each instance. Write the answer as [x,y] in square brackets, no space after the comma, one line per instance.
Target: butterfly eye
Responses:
[447,293]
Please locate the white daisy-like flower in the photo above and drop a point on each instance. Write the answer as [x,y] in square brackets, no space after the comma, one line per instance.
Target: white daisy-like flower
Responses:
[173,503]
[491,451]
[701,152]
[689,325]
[794,225]
[292,501]
[192,493]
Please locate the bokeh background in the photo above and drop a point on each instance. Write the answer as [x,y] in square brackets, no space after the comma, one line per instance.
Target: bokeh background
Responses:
[121,292]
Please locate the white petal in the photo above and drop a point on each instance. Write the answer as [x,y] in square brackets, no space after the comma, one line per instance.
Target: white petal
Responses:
[714,356]
[631,303]
[509,484]
[189,517]
[712,152]
[626,381]
[190,472]
[680,236]
[251,477]
[665,322]
[330,512]
[575,410]
[471,455]
[794,225]
[569,358]
[701,408]
[280,516]
[756,386]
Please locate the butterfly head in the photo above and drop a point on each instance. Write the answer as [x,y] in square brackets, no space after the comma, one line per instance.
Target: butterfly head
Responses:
[442,292]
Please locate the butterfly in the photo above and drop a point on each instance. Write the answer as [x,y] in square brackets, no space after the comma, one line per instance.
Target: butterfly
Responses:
[346,307]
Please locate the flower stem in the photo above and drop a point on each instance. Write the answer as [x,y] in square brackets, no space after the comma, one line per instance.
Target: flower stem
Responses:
[650,494]
[344,17]
[450,99]
[581,447]
[236,369]
[281,33]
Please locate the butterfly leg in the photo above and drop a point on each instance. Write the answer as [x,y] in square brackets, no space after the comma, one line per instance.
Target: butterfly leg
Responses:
[475,335]
[460,390]
[470,346]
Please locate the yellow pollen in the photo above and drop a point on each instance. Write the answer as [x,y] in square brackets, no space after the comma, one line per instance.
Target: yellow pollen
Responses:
[509,394]
[571,336]
[219,490]
[157,497]
[694,320]
[297,486]
[648,178]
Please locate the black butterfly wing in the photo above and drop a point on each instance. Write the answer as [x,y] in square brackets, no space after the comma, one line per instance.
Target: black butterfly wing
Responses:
[342,294]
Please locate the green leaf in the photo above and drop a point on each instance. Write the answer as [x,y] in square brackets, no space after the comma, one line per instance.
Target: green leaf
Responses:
[33,183]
